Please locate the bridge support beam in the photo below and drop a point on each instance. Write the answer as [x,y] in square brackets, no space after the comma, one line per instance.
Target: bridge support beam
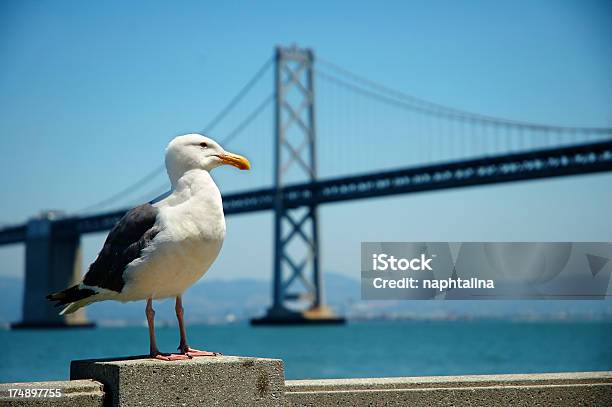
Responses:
[298,285]
[53,262]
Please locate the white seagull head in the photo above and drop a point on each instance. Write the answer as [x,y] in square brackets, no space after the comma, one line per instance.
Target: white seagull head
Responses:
[195,151]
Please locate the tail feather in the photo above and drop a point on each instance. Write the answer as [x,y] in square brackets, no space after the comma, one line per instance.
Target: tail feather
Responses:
[73,297]
[73,306]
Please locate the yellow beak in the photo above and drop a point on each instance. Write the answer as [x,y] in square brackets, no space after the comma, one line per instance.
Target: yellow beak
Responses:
[235,160]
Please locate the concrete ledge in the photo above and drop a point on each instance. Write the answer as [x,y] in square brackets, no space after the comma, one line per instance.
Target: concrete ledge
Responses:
[83,393]
[591,389]
[449,381]
[240,381]
[201,381]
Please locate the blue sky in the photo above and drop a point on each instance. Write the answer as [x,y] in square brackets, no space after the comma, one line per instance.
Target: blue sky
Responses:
[92,92]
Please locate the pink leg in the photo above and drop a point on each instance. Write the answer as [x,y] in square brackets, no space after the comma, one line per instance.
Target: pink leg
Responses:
[183,347]
[153,351]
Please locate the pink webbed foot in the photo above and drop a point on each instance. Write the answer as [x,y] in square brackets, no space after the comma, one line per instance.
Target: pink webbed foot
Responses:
[190,352]
[169,356]
[195,352]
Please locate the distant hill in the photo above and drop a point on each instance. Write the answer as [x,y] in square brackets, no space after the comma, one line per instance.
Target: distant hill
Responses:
[210,300]
[217,301]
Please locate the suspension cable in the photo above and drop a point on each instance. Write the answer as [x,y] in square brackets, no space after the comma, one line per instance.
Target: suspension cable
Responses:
[239,96]
[213,123]
[248,120]
[428,107]
[130,188]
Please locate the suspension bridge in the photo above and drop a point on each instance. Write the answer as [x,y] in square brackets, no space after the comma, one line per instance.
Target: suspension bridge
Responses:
[421,146]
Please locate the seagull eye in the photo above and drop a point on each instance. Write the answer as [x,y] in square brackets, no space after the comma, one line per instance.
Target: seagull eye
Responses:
[203,145]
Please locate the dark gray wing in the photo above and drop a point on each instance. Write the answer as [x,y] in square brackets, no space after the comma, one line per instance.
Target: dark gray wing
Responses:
[124,244]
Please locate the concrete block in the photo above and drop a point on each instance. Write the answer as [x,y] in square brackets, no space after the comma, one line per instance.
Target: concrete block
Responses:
[72,393]
[201,381]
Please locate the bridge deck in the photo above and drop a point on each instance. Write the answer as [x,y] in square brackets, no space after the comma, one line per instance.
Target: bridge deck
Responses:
[572,160]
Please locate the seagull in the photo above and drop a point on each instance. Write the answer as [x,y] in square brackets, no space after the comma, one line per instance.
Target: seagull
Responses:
[158,251]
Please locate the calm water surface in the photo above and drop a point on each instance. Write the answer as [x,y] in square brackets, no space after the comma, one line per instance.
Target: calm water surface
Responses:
[359,349]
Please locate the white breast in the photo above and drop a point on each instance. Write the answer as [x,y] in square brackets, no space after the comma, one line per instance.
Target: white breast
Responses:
[192,229]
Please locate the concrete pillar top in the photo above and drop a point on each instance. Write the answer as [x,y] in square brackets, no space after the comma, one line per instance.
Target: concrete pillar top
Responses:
[218,380]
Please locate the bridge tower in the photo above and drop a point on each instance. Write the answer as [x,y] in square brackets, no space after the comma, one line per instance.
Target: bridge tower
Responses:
[297,282]
[53,262]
